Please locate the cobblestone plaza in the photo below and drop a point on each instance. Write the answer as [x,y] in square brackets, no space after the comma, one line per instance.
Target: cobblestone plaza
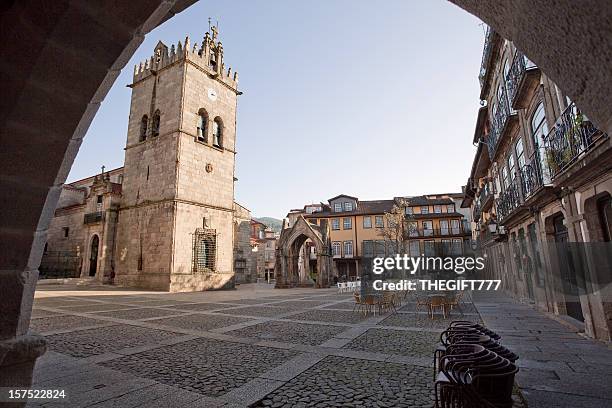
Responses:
[260,347]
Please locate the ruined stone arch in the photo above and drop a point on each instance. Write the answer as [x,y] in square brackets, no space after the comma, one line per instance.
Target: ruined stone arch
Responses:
[287,254]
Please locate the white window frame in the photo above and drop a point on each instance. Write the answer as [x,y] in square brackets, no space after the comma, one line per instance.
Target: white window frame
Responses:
[336,248]
[367,225]
[348,206]
[455,226]
[427,232]
[426,208]
[338,207]
[347,221]
[444,227]
[346,246]
[336,224]
[380,224]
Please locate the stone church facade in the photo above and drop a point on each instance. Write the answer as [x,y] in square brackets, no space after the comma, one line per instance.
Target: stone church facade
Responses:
[166,220]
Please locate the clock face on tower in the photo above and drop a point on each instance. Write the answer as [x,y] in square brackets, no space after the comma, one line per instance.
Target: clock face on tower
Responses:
[212,94]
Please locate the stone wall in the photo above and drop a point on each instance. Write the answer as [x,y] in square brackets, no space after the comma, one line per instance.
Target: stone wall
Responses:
[243,255]
[145,231]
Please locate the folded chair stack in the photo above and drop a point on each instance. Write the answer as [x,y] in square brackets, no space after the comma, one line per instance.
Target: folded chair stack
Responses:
[472,369]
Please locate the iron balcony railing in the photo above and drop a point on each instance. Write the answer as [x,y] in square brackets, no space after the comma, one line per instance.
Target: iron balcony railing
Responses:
[485,193]
[529,179]
[486,53]
[437,232]
[570,138]
[498,121]
[531,176]
[92,218]
[477,211]
[509,199]
[520,64]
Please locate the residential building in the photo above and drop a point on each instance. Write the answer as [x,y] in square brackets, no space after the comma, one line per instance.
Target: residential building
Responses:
[263,244]
[243,255]
[541,178]
[356,225]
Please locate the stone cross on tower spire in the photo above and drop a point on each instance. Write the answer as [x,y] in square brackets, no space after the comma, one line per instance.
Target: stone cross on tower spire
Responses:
[215,31]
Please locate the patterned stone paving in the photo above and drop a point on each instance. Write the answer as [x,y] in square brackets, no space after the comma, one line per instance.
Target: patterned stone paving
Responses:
[137,314]
[259,311]
[95,307]
[302,304]
[61,322]
[61,302]
[466,307]
[312,363]
[406,343]
[346,382]
[247,301]
[85,343]
[423,321]
[200,322]
[209,367]
[200,306]
[36,313]
[151,302]
[300,333]
[341,306]
[333,316]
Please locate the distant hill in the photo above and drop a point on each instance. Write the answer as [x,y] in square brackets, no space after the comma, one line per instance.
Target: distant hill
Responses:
[273,223]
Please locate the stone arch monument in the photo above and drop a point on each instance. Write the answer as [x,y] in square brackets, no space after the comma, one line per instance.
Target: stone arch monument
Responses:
[288,252]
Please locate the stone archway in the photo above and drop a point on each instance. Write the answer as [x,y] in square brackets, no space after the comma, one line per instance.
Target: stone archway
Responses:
[94,249]
[288,251]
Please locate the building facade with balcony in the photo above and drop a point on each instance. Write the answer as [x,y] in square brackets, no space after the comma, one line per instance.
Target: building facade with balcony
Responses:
[263,247]
[81,235]
[541,177]
[356,228]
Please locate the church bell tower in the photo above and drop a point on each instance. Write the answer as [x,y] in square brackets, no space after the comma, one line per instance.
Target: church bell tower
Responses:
[175,220]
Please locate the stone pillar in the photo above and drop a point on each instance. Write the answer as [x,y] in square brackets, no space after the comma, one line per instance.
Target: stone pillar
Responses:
[18,348]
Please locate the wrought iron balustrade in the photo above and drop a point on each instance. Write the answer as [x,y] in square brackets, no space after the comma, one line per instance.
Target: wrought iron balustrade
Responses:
[498,121]
[531,176]
[486,53]
[486,191]
[92,218]
[437,232]
[510,199]
[520,64]
[477,211]
[571,137]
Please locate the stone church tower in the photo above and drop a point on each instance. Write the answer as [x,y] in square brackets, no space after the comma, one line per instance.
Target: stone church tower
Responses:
[175,219]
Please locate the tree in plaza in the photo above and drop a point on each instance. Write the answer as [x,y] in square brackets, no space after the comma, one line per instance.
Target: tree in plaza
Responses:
[398,227]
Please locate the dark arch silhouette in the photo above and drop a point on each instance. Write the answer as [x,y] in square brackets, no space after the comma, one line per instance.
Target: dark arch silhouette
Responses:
[92,43]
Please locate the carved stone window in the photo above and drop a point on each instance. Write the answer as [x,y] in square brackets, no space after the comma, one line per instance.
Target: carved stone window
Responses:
[204,250]
[218,132]
[202,126]
[144,123]
[155,124]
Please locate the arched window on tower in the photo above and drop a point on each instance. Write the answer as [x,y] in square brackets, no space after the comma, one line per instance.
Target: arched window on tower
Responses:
[213,59]
[202,126]
[144,122]
[218,132]
[155,124]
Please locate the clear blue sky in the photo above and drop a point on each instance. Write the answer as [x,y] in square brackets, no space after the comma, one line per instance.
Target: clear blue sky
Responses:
[374,99]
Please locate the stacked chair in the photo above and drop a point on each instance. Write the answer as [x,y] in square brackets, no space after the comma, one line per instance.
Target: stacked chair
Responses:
[472,369]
